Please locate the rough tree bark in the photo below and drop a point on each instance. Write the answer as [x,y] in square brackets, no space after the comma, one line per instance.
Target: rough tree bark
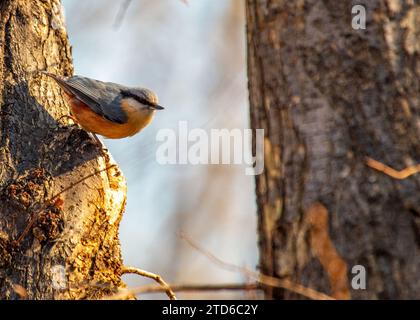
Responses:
[72,251]
[328,96]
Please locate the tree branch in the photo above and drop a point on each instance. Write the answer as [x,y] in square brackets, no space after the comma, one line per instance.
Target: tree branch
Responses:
[261,278]
[400,175]
[163,285]
[121,14]
[124,293]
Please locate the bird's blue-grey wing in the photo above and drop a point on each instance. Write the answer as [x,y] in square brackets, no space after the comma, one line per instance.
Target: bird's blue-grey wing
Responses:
[102,97]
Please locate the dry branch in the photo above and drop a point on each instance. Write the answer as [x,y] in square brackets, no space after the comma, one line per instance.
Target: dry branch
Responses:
[396,174]
[125,293]
[165,286]
[261,278]
[121,14]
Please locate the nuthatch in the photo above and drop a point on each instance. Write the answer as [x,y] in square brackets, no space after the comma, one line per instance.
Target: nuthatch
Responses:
[109,109]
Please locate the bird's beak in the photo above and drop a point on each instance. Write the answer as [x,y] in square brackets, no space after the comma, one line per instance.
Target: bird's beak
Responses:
[156,107]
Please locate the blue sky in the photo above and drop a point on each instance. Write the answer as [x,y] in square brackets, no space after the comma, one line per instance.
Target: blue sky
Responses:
[193,56]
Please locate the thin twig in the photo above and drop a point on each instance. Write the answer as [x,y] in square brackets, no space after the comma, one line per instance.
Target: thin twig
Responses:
[261,278]
[51,200]
[124,293]
[165,287]
[119,18]
[121,14]
[400,175]
[200,287]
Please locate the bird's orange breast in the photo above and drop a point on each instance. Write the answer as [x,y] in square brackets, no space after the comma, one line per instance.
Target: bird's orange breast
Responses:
[91,121]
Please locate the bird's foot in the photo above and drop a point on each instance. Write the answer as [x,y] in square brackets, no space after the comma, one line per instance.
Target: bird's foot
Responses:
[99,142]
[68,116]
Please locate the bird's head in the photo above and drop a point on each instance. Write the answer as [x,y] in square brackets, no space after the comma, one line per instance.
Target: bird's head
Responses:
[144,99]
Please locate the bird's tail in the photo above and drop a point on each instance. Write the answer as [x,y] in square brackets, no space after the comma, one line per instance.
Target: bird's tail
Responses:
[51,75]
[60,80]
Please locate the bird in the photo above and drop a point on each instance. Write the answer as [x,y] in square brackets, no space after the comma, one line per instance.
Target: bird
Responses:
[109,109]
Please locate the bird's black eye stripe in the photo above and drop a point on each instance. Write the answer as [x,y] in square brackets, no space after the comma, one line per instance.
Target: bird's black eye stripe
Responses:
[128,94]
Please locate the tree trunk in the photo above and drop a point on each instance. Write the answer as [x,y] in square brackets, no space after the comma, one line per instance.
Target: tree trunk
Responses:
[72,251]
[328,96]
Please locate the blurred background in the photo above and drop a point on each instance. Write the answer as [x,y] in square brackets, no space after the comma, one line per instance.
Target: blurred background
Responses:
[192,53]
